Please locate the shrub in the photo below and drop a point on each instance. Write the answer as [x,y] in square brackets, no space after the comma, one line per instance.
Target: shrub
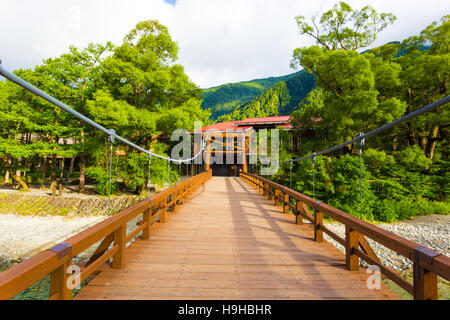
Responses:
[377,159]
[389,210]
[101,178]
[385,210]
[388,189]
[413,158]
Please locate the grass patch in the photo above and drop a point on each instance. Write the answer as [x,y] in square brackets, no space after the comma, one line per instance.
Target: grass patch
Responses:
[443,286]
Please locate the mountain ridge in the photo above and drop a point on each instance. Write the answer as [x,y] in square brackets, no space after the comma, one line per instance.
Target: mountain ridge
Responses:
[225,99]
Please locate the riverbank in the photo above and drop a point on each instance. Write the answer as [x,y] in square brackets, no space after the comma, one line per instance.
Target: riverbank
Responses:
[431,231]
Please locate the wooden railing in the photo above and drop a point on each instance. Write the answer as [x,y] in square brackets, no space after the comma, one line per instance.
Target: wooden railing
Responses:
[112,233]
[427,263]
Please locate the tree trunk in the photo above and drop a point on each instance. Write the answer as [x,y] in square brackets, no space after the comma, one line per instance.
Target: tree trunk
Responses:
[72,161]
[411,136]
[17,178]
[394,143]
[8,164]
[82,174]
[53,176]
[142,190]
[19,163]
[43,171]
[22,183]
[423,143]
[82,167]
[61,175]
[432,142]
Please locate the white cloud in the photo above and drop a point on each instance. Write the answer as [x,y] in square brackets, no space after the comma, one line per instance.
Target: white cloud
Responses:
[220,41]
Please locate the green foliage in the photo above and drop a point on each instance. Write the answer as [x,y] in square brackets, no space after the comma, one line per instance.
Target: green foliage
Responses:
[389,194]
[134,88]
[336,183]
[413,158]
[100,176]
[391,210]
[280,99]
[182,117]
[405,170]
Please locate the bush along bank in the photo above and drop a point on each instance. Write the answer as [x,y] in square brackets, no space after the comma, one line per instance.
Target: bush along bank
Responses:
[395,186]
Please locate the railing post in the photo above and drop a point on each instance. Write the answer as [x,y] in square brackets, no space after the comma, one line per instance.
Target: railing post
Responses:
[270,191]
[119,239]
[425,282]
[318,223]
[58,283]
[162,216]
[285,203]
[351,242]
[298,217]
[146,219]
[175,199]
[277,194]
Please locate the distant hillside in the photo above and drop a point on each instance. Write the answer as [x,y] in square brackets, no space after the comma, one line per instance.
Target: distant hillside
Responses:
[280,99]
[225,98]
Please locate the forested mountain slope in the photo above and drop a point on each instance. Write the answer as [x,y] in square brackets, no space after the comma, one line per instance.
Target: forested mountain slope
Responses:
[280,99]
[226,98]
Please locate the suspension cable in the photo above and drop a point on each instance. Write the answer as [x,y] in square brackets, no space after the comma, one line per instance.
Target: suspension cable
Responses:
[24,84]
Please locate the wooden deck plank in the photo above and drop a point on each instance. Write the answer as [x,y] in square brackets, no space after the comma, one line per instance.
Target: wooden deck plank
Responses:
[229,242]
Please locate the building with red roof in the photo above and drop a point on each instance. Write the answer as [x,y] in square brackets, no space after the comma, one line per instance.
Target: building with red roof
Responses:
[233,137]
[255,123]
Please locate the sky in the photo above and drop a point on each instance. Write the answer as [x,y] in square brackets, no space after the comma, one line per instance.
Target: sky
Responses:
[221,41]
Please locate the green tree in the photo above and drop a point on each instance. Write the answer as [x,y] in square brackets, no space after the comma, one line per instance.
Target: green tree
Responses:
[345,28]
[424,80]
[141,93]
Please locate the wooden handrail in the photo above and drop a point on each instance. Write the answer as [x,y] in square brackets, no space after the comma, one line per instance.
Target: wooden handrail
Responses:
[56,260]
[428,264]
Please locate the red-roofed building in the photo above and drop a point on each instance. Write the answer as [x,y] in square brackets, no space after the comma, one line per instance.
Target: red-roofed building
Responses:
[232,137]
[255,123]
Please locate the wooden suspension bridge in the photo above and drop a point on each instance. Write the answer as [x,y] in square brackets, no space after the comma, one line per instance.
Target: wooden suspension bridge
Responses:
[227,238]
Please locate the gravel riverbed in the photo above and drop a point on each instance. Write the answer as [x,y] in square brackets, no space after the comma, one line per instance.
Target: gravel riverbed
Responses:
[21,237]
[431,231]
